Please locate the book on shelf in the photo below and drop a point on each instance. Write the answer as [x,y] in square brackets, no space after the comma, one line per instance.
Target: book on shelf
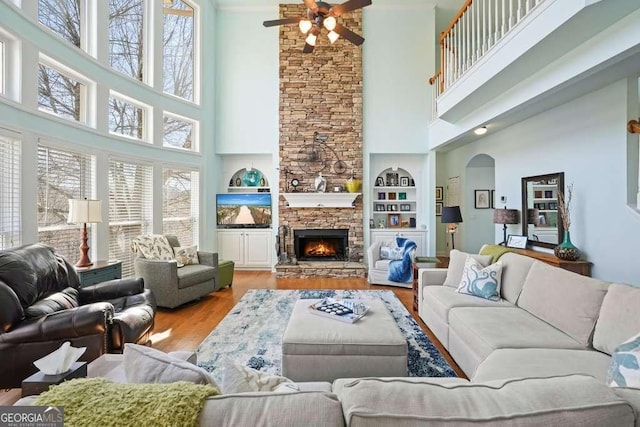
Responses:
[349,311]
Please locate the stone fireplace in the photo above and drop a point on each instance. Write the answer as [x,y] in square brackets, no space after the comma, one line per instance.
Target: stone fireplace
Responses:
[320,95]
[321,245]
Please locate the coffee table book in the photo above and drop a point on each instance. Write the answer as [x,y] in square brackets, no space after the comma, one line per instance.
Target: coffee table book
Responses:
[342,310]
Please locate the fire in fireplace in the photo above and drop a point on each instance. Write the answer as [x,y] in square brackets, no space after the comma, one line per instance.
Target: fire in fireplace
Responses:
[321,245]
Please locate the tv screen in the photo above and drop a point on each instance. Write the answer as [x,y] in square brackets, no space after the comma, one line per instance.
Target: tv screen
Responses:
[243,210]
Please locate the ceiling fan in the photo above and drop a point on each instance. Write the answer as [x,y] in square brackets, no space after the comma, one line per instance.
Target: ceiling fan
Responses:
[321,14]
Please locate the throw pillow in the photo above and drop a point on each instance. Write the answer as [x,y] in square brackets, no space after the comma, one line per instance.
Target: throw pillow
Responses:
[144,364]
[479,281]
[457,260]
[387,252]
[236,378]
[154,246]
[624,370]
[186,255]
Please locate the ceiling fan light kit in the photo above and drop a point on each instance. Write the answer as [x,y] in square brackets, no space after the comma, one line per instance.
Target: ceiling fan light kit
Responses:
[323,15]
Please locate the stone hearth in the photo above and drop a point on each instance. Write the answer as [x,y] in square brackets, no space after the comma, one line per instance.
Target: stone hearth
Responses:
[341,269]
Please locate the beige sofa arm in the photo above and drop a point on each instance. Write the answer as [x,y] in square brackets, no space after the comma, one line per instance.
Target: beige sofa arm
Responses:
[430,277]
[373,254]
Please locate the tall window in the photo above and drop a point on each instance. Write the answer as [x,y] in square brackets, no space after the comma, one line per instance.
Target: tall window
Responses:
[181,204]
[10,223]
[62,17]
[60,94]
[126,39]
[178,48]
[126,117]
[62,175]
[178,133]
[130,209]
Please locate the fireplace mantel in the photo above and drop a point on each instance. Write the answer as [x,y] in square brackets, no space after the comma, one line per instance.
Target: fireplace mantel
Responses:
[320,200]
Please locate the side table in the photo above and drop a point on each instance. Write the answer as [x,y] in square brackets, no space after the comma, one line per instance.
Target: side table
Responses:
[418,263]
[99,272]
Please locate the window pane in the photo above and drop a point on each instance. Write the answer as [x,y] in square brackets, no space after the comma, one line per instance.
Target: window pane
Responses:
[125,37]
[181,205]
[59,94]
[130,209]
[126,118]
[62,175]
[61,16]
[10,223]
[178,49]
[178,133]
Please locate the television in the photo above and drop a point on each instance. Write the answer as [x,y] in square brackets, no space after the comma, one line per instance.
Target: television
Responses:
[243,210]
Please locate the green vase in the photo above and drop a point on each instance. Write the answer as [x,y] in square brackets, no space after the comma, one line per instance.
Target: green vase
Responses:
[567,250]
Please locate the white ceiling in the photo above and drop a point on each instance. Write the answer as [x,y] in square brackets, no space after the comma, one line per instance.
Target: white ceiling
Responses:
[441,4]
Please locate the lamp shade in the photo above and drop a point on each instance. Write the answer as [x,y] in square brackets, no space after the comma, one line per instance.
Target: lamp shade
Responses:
[506,216]
[533,216]
[84,211]
[451,214]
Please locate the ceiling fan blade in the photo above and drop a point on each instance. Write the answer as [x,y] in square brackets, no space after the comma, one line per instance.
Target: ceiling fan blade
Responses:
[311,5]
[349,35]
[281,22]
[348,6]
[307,48]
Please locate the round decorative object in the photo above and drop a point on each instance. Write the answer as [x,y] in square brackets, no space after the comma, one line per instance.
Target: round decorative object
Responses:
[251,178]
[238,182]
[312,158]
[263,182]
[339,167]
[567,250]
[295,182]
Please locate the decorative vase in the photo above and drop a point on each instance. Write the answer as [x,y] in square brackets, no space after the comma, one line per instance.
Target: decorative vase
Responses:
[567,250]
[353,185]
[251,178]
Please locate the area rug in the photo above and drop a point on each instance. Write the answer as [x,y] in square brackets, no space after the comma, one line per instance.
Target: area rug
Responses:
[251,333]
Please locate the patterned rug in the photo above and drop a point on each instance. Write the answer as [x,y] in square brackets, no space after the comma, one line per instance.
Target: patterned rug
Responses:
[252,331]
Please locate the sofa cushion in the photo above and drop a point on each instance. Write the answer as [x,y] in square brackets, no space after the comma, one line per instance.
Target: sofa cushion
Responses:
[457,260]
[566,300]
[625,364]
[618,318]
[542,362]
[191,275]
[144,364]
[515,268]
[186,255]
[569,400]
[63,300]
[479,281]
[390,252]
[236,378]
[382,264]
[154,246]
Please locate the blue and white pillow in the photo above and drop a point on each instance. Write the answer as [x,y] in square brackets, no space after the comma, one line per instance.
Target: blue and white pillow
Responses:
[624,370]
[479,281]
[387,252]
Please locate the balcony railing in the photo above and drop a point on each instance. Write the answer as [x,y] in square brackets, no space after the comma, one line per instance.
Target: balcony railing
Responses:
[477,27]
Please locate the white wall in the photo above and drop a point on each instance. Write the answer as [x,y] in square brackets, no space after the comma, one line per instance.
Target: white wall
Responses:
[587,140]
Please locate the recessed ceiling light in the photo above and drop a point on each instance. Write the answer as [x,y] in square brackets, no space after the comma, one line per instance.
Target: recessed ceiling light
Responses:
[481,130]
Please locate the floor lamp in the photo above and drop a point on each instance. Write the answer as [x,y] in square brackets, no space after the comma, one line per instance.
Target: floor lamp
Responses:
[506,216]
[451,215]
[83,211]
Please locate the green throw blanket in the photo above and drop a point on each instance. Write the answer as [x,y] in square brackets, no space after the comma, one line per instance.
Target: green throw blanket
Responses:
[496,251]
[100,402]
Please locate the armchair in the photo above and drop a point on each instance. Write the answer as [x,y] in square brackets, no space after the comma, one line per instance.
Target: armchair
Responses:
[173,285]
[378,268]
[42,306]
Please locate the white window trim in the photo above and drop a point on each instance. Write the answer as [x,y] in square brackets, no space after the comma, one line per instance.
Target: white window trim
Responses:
[11,66]
[84,15]
[195,134]
[147,119]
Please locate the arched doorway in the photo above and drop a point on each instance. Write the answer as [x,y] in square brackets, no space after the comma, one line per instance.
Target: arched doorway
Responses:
[479,186]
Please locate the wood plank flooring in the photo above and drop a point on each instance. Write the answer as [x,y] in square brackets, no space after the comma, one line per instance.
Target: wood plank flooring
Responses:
[186,327]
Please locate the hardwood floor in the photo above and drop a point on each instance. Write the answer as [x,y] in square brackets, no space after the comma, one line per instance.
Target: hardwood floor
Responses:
[186,327]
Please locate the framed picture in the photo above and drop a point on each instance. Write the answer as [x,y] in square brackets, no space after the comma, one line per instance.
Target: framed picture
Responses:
[402,196]
[404,181]
[552,206]
[394,208]
[389,208]
[379,208]
[405,223]
[537,194]
[516,241]
[392,179]
[382,196]
[548,194]
[493,199]
[439,208]
[392,196]
[379,182]
[393,220]
[439,194]
[482,199]
[405,207]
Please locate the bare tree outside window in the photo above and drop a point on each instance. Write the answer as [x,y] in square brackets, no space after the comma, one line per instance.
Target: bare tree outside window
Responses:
[62,17]
[180,205]
[59,94]
[178,49]
[178,133]
[126,118]
[126,37]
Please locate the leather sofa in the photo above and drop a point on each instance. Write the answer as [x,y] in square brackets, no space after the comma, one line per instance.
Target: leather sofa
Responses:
[42,306]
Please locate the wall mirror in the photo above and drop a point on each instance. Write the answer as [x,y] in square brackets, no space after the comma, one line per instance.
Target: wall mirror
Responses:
[541,221]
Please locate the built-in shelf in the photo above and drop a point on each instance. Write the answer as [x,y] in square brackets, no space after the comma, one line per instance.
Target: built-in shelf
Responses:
[320,200]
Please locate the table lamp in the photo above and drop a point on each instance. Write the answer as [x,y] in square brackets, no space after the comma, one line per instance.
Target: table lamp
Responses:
[83,211]
[506,216]
[451,215]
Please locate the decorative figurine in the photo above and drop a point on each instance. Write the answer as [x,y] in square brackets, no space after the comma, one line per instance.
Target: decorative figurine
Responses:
[321,183]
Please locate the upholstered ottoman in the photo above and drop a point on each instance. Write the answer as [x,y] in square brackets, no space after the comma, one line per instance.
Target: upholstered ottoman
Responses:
[225,272]
[315,348]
